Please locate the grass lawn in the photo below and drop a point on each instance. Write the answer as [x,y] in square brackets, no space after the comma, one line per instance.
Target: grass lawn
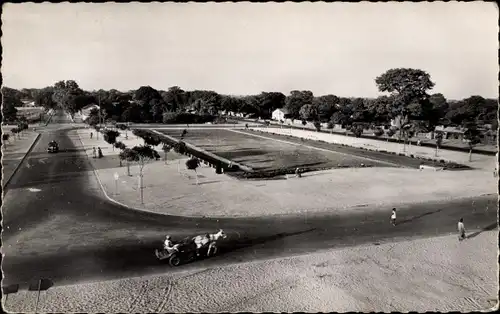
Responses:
[268,154]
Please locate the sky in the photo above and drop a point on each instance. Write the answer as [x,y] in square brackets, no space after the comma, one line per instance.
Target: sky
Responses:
[247,48]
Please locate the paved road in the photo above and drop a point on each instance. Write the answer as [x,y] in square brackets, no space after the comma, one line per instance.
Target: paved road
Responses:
[58,226]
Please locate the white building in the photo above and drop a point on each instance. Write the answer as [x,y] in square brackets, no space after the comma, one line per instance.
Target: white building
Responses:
[279,114]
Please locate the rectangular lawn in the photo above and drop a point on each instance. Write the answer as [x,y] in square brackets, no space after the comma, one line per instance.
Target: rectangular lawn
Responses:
[264,154]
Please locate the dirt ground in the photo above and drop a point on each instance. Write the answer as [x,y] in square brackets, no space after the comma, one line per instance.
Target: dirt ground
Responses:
[435,274]
[267,154]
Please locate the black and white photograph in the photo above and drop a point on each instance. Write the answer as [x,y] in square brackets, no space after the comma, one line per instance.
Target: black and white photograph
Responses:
[174,157]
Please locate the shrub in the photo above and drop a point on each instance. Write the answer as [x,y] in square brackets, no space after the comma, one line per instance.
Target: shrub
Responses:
[390,132]
[330,125]
[186,118]
[120,145]
[180,147]
[317,125]
[5,137]
[378,132]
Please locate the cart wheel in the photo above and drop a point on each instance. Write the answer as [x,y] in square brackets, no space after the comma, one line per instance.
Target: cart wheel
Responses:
[174,260]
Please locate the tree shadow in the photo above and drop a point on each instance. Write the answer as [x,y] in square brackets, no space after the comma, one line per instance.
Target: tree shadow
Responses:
[490,227]
[231,245]
[418,217]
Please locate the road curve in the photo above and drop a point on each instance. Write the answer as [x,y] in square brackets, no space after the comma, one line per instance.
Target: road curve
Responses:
[58,225]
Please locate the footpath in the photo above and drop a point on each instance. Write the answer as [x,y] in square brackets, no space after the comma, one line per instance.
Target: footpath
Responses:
[14,152]
[436,274]
[169,188]
[367,134]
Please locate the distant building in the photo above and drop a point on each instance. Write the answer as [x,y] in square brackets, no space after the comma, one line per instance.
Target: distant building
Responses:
[450,132]
[280,114]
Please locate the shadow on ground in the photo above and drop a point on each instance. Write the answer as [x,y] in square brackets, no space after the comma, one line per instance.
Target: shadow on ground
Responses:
[490,227]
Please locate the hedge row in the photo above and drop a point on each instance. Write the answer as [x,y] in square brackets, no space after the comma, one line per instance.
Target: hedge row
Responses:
[186,118]
[190,152]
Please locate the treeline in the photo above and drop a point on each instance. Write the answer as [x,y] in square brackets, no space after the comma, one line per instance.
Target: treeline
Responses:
[407,96]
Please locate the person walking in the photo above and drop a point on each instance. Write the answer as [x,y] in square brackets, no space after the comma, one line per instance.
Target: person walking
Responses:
[393,217]
[461,230]
[94,153]
[99,152]
[91,134]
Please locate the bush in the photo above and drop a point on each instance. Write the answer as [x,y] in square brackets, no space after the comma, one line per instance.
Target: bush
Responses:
[186,118]
[5,137]
[317,125]
[390,132]
[378,132]
[330,125]
[120,145]
[357,130]
[110,136]
[180,148]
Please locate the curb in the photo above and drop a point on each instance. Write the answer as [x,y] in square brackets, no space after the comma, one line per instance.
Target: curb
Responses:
[135,208]
[196,148]
[6,183]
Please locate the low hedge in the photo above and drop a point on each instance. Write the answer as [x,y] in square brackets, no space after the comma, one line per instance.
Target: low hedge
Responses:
[183,149]
[186,118]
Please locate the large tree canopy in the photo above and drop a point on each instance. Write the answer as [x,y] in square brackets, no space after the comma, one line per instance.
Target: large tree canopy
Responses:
[296,100]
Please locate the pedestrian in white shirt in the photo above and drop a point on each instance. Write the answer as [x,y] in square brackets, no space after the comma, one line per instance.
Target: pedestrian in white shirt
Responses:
[393,217]
[461,230]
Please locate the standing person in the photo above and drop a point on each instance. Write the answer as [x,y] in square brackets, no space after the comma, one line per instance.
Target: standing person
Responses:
[99,152]
[94,153]
[461,230]
[393,217]
[91,134]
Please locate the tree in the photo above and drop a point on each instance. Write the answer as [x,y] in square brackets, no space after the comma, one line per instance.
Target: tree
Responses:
[15,131]
[129,156]
[269,102]
[317,125]
[326,106]
[145,154]
[409,90]
[152,139]
[296,100]
[175,98]
[472,136]
[11,98]
[439,140]
[192,164]
[65,93]
[390,133]
[5,138]
[180,148]
[121,147]
[357,130]
[44,98]
[166,147]
[378,132]
[110,137]
[308,112]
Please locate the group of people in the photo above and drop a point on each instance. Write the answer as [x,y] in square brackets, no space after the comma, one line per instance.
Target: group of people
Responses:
[461,227]
[97,153]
